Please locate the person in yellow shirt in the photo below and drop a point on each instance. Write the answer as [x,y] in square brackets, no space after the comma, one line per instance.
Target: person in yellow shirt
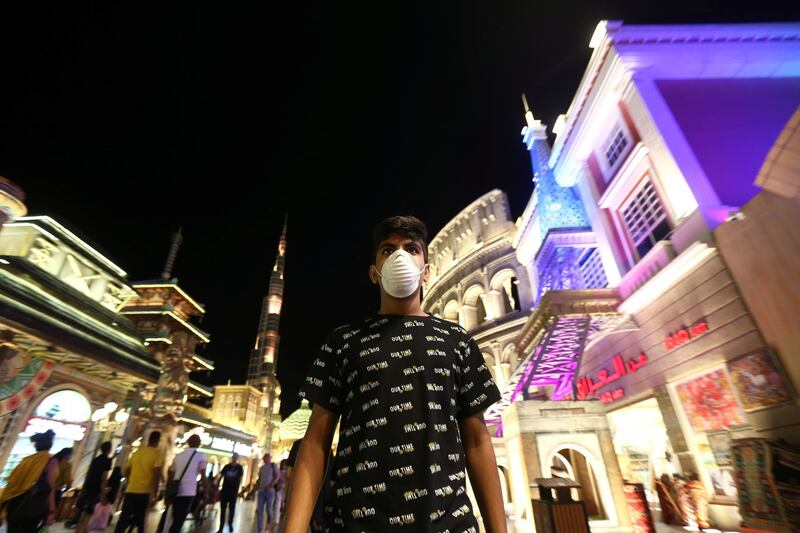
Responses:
[23,487]
[144,474]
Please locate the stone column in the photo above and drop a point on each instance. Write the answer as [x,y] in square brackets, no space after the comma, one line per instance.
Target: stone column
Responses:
[505,370]
[128,435]
[614,477]
[523,465]
[496,305]
[172,386]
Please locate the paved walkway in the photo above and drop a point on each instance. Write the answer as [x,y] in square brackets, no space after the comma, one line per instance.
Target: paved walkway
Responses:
[244,521]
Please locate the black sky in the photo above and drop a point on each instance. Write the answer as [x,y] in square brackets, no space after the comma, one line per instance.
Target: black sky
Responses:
[125,122]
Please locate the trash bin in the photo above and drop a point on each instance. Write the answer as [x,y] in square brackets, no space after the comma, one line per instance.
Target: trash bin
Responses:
[558,513]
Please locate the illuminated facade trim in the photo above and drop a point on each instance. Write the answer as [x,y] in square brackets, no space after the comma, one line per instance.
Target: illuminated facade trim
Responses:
[202,335]
[177,289]
[71,237]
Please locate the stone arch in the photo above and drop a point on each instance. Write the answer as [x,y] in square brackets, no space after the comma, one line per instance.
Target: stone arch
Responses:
[566,469]
[451,311]
[507,363]
[509,355]
[490,363]
[504,292]
[590,472]
[474,308]
[505,486]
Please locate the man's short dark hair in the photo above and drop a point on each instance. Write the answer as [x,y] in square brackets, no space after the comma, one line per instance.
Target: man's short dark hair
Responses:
[154,438]
[407,226]
[105,447]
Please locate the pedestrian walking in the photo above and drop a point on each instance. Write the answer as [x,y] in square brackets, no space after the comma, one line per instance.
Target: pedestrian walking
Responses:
[410,389]
[28,498]
[64,477]
[144,475]
[113,484]
[280,493]
[231,476]
[187,467]
[94,487]
[267,478]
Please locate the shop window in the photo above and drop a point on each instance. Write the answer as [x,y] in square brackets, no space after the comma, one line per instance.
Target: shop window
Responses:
[645,218]
[642,446]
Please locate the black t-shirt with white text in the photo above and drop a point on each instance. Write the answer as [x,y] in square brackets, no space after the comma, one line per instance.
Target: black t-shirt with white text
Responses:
[400,384]
[94,476]
[231,478]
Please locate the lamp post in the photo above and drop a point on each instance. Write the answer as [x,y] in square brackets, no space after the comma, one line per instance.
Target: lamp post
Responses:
[108,419]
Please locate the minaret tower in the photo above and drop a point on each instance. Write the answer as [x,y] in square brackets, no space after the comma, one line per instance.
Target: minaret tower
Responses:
[264,357]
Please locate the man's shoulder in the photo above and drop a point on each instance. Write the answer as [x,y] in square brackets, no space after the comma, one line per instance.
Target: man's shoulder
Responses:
[448,328]
[339,338]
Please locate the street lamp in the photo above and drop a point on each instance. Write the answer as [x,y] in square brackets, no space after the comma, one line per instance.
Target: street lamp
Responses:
[108,418]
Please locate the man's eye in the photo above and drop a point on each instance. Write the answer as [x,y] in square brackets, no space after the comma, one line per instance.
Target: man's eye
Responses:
[412,250]
[386,251]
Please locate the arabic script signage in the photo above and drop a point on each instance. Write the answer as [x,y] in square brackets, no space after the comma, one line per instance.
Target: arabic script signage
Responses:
[588,386]
[684,335]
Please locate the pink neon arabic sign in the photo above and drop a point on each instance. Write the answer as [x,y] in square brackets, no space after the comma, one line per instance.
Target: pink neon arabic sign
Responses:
[684,335]
[588,386]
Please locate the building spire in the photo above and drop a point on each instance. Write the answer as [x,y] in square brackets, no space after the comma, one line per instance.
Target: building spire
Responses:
[177,239]
[261,372]
[264,357]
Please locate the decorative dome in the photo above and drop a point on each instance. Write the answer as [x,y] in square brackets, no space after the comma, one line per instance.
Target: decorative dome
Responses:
[294,427]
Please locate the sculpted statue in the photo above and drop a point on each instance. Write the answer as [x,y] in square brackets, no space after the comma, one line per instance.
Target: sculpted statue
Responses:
[174,380]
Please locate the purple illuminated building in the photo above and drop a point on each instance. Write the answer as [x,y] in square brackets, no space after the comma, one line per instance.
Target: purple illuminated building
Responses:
[657,153]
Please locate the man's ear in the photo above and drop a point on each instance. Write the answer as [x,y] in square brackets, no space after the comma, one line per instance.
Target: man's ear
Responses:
[373,275]
[426,272]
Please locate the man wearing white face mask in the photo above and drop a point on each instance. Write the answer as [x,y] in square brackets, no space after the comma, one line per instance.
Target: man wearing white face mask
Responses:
[410,389]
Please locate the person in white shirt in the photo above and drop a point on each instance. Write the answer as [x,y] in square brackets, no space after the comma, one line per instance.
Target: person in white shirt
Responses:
[187,466]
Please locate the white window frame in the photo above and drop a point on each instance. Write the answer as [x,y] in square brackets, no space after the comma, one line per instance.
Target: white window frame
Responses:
[609,170]
[647,178]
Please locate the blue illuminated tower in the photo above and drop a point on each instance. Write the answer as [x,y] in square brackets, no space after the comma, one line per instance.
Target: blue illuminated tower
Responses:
[567,257]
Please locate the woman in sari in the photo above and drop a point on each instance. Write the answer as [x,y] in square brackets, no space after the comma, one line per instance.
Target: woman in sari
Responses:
[39,468]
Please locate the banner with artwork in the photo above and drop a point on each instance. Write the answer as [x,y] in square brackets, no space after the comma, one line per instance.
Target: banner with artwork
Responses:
[709,402]
[757,381]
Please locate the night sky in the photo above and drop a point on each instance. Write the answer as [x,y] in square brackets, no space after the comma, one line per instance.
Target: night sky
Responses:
[124,123]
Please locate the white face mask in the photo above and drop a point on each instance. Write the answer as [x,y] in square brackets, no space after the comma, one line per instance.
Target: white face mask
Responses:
[400,275]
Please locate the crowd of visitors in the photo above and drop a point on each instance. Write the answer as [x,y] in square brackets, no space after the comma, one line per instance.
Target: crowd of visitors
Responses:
[30,500]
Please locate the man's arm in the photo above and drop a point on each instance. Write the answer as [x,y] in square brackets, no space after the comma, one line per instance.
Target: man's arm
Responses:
[52,473]
[482,469]
[309,470]
[156,482]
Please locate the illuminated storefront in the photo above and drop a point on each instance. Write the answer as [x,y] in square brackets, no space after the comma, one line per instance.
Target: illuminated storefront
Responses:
[219,443]
[67,412]
[680,387]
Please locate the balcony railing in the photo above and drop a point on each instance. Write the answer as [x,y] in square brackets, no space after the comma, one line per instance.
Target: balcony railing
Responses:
[657,258]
